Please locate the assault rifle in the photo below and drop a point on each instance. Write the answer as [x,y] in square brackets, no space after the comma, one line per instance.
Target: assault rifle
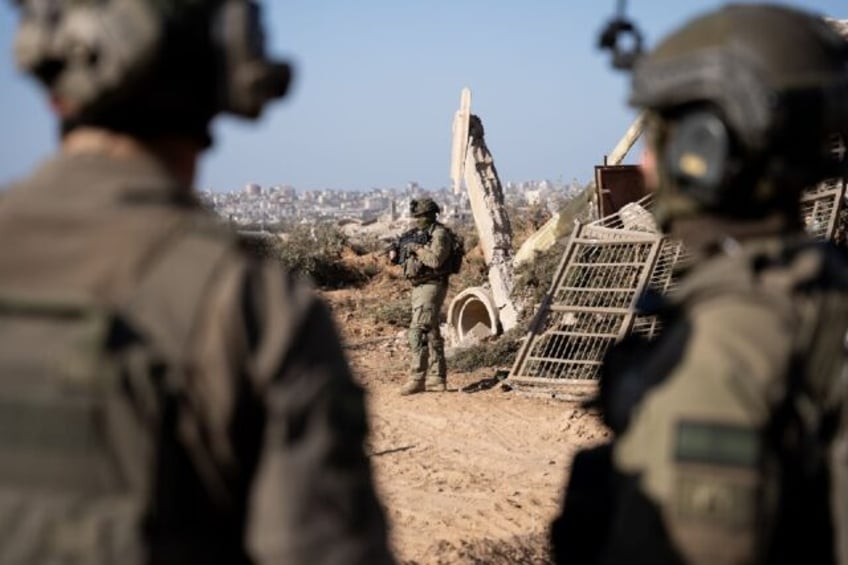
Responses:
[399,249]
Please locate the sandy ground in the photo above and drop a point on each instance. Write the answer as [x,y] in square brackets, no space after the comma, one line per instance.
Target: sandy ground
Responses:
[466,477]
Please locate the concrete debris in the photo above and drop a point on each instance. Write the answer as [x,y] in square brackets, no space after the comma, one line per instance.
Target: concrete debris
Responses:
[558,227]
[472,163]
[636,218]
[478,333]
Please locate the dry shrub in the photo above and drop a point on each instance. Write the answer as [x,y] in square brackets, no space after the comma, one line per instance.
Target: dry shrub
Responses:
[473,271]
[526,220]
[393,313]
[533,279]
[315,252]
[497,351]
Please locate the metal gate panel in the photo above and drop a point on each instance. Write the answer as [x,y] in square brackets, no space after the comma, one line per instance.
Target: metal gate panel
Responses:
[820,207]
[587,309]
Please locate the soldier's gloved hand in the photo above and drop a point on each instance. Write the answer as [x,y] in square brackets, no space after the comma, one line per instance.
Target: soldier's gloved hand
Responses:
[392,254]
[414,247]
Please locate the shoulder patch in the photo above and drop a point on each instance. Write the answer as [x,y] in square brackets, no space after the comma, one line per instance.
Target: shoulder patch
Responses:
[712,443]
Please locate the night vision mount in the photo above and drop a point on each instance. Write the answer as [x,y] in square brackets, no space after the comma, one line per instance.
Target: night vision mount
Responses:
[622,38]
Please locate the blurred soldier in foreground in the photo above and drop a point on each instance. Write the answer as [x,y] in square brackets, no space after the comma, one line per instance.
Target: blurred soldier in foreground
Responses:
[730,428]
[165,397]
[425,253]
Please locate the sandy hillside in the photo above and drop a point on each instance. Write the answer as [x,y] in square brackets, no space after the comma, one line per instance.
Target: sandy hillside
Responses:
[466,477]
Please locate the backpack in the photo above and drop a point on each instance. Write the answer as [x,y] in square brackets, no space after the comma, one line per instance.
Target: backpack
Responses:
[90,398]
[454,263]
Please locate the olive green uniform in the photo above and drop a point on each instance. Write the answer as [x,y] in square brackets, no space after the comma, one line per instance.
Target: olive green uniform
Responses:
[264,390]
[426,269]
[705,457]
[765,322]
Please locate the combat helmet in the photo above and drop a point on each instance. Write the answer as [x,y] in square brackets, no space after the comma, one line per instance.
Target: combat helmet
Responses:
[149,67]
[742,105]
[423,207]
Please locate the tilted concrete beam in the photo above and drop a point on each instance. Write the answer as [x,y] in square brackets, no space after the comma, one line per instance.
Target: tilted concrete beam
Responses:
[459,147]
[472,164]
[485,194]
[628,140]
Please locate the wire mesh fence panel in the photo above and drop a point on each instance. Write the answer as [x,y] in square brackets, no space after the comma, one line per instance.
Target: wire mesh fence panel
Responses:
[820,207]
[588,307]
[663,280]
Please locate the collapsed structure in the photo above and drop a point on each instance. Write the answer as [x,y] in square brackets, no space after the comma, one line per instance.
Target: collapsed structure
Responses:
[479,312]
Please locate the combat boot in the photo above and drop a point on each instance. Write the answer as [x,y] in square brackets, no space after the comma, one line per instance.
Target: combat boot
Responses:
[436,384]
[412,386]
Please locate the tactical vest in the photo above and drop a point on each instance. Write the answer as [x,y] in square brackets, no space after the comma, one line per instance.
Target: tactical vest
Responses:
[91,401]
[419,273]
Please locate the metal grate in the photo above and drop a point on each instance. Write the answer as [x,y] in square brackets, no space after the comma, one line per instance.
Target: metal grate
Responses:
[821,205]
[820,208]
[588,307]
[671,254]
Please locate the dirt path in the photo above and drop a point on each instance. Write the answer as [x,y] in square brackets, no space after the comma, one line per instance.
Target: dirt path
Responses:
[466,477]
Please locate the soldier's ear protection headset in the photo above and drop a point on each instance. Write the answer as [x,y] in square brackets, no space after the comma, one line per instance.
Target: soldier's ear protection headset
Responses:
[700,156]
[704,157]
[89,52]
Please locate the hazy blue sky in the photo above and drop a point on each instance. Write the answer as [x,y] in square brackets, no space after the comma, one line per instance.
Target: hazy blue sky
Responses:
[378,82]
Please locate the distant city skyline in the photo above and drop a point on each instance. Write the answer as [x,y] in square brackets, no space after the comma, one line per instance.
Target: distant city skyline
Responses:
[378,82]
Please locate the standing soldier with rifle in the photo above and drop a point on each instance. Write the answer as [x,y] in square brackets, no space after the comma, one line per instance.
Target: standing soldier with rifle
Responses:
[730,429]
[165,396]
[425,254]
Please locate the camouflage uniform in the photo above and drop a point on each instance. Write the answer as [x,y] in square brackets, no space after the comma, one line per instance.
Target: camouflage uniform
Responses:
[729,428]
[426,268]
[267,389]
